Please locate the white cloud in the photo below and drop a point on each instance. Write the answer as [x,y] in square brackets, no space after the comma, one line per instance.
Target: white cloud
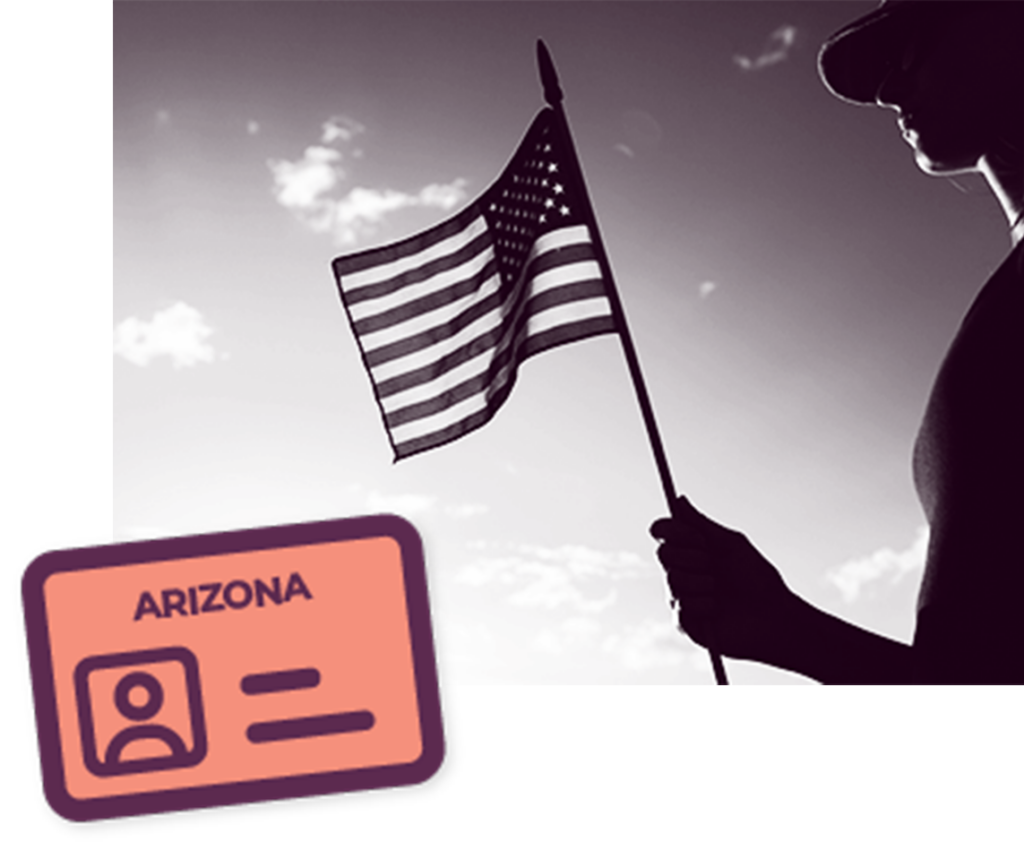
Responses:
[776,50]
[706,288]
[885,563]
[407,504]
[465,511]
[489,570]
[361,211]
[178,332]
[307,187]
[581,560]
[550,586]
[403,505]
[299,185]
[252,127]
[574,633]
[652,643]
[340,128]
[467,648]
[444,196]
[552,578]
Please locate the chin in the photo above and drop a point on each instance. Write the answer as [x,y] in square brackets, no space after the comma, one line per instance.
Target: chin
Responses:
[946,153]
[937,166]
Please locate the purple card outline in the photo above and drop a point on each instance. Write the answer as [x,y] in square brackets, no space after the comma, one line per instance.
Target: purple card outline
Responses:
[226,543]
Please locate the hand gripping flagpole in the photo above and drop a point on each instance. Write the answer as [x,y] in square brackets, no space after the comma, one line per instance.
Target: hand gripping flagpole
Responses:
[553,97]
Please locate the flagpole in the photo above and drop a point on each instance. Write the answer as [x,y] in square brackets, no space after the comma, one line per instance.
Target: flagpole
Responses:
[553,96]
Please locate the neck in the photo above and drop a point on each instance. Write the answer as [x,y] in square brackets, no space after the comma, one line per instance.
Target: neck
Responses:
[1004,171]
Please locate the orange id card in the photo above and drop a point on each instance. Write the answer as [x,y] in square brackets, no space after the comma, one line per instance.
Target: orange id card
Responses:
[235,667]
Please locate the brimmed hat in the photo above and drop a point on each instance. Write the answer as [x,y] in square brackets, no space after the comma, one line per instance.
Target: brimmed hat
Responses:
[855,61]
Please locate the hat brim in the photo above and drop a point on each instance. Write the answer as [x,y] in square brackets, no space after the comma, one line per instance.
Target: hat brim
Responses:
[855,61]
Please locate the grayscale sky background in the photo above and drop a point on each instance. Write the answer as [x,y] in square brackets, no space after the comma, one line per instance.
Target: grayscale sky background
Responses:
[790,277]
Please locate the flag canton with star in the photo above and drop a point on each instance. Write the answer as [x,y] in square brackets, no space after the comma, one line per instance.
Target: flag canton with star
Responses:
[531,197]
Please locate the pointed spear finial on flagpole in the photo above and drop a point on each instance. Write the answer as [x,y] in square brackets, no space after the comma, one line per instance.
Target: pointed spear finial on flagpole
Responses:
[548,75]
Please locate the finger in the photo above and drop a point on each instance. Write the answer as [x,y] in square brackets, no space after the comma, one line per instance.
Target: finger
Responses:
[676,532]
[684,559]
[695,607]
[696,593]
[686,585]
[696,618]
[683,512]
[696,611]
[660,528]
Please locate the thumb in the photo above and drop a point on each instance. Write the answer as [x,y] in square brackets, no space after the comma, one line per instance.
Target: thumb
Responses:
[683,511]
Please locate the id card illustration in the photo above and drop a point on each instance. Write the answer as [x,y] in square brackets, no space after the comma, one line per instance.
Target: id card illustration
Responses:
[235,667]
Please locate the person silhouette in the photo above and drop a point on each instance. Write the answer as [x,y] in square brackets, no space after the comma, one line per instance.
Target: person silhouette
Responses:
[954,73]
[112,759]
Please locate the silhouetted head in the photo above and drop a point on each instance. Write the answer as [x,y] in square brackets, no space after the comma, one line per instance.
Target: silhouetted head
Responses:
[954,71]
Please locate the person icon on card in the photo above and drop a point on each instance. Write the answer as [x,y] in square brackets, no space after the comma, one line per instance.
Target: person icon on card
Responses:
[158,692]
[113,758]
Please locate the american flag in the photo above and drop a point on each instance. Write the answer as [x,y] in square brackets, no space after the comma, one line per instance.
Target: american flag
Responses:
[443,319]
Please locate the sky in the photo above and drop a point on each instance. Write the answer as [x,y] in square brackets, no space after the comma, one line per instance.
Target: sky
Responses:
[790,278]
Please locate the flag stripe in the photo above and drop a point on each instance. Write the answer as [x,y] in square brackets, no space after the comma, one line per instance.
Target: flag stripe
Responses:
[577,287]
[505,323]
[470,369]
[534,345]
[556,278]
[580,329]
[386,298]
[579,291]
[443,419]
[414,445]
[435,327]
[556,257]
[448,291]
[488,351]
[568,313]
[499,369]
[465,246]
[378,285]
[484,331]
[410,437]
[406,254]
[428,330]
[550,250]
[436,402]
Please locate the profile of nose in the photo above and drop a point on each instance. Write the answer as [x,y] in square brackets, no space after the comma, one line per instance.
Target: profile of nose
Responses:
[897,90]
[890,93]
